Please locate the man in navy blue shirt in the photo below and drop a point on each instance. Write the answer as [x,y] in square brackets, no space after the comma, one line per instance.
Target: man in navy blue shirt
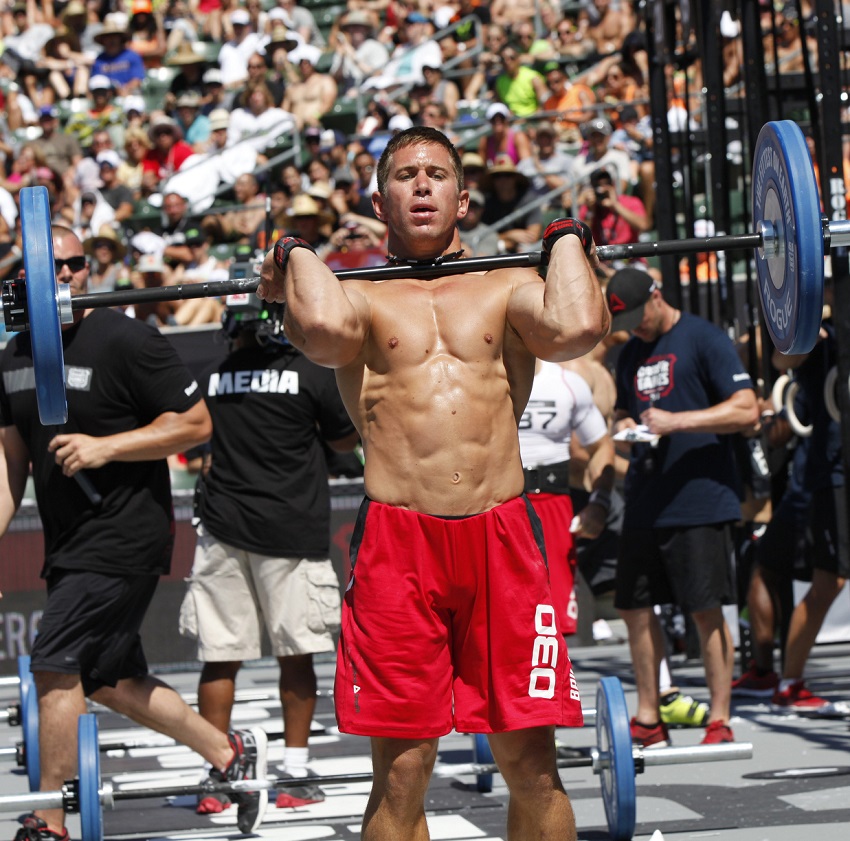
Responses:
[681,393]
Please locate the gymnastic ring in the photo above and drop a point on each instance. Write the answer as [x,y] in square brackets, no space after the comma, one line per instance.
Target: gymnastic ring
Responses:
[794,422]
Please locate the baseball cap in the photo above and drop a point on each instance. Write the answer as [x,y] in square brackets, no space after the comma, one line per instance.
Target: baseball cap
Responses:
[195,236]
[240,17]
[498,109]
[219,119]
[600,124]
[148,242]
[109,157]
[150,263]
[627,292]
[212,77]
[100,83]
[49,111]
[134,103]
[416,17]
[399,122]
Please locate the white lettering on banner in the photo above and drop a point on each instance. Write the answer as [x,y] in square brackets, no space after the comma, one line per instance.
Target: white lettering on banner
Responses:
[544,657]
[17,633]
[253,382]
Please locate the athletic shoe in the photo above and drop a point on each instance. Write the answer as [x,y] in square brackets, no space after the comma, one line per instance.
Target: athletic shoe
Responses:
[655,736]
[754,683]
[683,711]
[248,763]
[718,732]
[212,803]
[295,795]
[35,829]
[797,698]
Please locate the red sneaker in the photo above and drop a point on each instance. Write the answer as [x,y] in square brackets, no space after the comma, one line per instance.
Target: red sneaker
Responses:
[797,698]
[654,736]
[212,804]
[718,732]
[755,683]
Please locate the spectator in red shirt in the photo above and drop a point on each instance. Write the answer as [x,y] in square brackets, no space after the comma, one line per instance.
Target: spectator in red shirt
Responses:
[169,149]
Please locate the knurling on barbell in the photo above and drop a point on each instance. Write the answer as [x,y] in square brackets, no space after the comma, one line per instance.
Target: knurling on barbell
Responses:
[615,759]
[791,239]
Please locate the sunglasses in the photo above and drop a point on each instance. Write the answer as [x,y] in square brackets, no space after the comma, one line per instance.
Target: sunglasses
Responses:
[75,264]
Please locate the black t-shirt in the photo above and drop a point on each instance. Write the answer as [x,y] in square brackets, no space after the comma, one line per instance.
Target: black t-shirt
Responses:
[118,195]
[120,375]
[267,489]
[690,478]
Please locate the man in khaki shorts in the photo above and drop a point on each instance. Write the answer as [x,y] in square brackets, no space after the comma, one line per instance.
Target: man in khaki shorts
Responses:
[262,555]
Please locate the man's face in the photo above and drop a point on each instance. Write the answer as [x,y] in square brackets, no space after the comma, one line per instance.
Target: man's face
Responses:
[112,44]
[48,125]
[174,206]
[649,328]
[421,202]
[71,264]
[107,174]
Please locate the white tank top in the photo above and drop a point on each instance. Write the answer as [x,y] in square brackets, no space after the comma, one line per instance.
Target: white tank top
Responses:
[560,402]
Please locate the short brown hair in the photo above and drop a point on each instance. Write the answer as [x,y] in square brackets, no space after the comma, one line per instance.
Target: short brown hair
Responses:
[412,137]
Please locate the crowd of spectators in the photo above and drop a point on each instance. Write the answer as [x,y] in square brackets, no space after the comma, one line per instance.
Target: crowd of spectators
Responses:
[247,113]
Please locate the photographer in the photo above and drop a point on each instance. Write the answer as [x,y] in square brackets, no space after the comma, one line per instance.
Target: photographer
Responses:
[614,219]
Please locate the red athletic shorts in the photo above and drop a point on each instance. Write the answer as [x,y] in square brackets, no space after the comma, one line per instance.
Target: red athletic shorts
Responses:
[448,622]
[556,514]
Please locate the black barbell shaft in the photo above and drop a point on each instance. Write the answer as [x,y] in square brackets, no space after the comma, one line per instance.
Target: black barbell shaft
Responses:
[531,259]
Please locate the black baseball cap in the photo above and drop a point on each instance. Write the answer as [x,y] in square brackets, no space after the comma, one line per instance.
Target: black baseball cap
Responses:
[627,292]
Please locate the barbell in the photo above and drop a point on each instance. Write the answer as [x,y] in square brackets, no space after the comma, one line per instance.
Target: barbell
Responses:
[791,238]
[614,758]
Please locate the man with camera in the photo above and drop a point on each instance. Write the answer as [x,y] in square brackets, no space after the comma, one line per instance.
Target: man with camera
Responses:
[613,218]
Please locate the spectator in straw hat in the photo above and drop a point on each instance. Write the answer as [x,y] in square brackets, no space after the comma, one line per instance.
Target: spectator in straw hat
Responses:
[189,78]
[116,60]
[506,191]
[357,53]
[279,74]
[307,220]
[68,65]
[107,267]
[194,125]
[219,123]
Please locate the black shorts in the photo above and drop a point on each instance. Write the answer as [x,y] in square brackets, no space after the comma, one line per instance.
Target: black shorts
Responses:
[90,626]
[691,567]
[827,544]
[782,547]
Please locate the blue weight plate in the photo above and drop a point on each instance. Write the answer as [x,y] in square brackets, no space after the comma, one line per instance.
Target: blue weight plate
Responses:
[482,754]
[29,728]
[785,193]
[43,306]
[23,672]
[614,741]
[88,788]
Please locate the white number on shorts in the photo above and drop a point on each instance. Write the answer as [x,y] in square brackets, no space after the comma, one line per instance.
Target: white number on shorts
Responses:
[544,657]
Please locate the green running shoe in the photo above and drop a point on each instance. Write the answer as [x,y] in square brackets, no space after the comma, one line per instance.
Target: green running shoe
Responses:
[679,710]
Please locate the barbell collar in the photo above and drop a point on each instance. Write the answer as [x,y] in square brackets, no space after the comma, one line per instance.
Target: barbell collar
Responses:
[837,234]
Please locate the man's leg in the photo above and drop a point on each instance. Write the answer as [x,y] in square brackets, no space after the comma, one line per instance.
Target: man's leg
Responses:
[298,698]
[152,703]
[763,618]
[60,703]
[538,807]
[718,657]
[806,621]
[646,644]
[396,808]
[217,692]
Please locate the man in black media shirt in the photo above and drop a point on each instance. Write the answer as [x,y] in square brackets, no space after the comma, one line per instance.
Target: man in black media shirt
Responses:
[131,402]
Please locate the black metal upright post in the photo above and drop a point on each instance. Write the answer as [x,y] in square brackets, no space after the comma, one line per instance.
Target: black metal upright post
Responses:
[833,191]
[707,27]
[659,38]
